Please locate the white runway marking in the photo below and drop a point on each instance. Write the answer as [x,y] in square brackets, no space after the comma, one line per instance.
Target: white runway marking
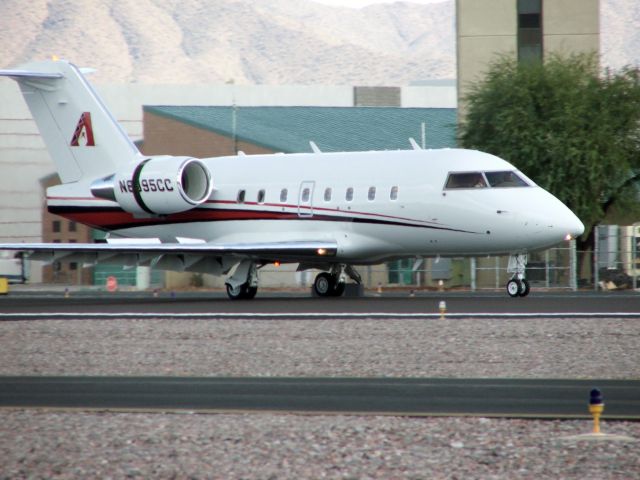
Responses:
[306,315]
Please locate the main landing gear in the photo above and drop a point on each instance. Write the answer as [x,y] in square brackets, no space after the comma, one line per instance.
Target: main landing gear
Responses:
[518,286]
[332,283]
[243,284]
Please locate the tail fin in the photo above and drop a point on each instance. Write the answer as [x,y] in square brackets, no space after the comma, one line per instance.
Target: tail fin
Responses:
[83,138]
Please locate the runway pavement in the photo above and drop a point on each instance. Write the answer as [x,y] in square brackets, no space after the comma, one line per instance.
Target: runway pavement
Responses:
[385,396]
[202,304]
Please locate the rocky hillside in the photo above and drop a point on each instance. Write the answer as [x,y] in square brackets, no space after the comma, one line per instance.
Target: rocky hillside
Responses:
[258,41]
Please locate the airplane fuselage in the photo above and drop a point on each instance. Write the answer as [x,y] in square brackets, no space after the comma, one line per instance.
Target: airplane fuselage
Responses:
[376,205]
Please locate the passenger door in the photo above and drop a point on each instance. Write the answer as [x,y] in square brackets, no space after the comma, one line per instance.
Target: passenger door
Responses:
[305,199]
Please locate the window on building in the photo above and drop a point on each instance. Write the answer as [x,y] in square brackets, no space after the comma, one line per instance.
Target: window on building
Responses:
[372,194]
[73,226]
[55,226]
[393,195]
[349,195]
[327,194]
[261,195]
[529,30]
[73,266]
[283,195]
[241,195]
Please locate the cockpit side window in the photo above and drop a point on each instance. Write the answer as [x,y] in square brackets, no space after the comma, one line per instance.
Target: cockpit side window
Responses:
[505,179]
[466,180]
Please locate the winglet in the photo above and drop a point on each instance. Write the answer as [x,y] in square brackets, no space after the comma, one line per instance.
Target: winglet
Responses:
[414,144]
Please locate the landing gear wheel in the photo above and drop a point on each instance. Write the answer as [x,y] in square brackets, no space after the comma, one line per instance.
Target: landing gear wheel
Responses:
[339,289]
[250,293]
[241,292]
[324,285]
[525,288]
[514,287]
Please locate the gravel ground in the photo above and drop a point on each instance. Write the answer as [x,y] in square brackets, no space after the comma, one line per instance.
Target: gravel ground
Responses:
[519,348]
[45,444]
[69,445]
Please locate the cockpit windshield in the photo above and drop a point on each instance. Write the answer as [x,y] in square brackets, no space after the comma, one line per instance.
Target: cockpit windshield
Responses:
[485,180]
[466,180]
[505,179]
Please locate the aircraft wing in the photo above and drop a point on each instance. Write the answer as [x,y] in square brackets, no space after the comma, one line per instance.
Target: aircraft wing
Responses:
[173,255]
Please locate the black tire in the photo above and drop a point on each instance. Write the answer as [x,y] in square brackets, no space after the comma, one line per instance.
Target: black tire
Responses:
[242,292]
[338,290]
[324,285]
[251,293]
[525,288]
[514,288]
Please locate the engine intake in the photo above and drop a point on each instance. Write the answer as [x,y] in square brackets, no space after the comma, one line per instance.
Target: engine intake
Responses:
[158,185]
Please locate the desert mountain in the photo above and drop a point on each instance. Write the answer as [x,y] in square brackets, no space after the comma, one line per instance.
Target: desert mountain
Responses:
[258,41]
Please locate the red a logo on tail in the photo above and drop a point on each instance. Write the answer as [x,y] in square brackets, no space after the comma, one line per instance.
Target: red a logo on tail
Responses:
[83,136]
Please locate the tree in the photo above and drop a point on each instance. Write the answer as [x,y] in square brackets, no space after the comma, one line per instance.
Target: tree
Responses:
[573,130]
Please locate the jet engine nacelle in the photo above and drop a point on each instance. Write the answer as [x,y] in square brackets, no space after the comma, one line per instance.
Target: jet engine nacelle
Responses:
[158,185]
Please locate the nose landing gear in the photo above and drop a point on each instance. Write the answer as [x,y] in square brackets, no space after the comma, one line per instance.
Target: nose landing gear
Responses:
[518,286]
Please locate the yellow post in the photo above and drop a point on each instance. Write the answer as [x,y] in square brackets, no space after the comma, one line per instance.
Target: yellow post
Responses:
[4,285]
[596,407]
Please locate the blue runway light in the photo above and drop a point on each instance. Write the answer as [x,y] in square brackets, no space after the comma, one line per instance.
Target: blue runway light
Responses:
[596,397]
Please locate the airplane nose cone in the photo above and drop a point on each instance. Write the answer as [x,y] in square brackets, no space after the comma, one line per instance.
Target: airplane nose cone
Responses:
[573,226]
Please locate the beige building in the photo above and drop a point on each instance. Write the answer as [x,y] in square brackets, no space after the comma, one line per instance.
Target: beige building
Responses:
[526,29]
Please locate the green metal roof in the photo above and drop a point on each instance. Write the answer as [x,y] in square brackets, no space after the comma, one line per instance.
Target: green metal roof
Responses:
[289,129]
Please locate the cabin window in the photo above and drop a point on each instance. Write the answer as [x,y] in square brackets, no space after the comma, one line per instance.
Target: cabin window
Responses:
[505,179]
[372,193]
[466,180]
[305,195]
[261,195]
[393,195]
[283,195]
[241,194]
[327,194]
[349,195]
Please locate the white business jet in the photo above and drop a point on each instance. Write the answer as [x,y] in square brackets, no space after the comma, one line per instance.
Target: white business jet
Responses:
[233,215]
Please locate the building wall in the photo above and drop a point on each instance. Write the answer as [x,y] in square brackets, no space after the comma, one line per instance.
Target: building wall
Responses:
[487,29]
[377,96]
[56,229]
[165,136]
[24,159]
[571,26]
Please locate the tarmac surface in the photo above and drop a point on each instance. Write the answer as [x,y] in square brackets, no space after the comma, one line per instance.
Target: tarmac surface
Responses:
[365,396]
[211,304]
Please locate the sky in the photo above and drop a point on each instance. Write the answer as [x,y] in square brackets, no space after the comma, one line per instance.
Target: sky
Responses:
[364,3]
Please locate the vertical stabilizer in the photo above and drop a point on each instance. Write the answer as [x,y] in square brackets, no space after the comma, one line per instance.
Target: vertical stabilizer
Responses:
[83,138]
